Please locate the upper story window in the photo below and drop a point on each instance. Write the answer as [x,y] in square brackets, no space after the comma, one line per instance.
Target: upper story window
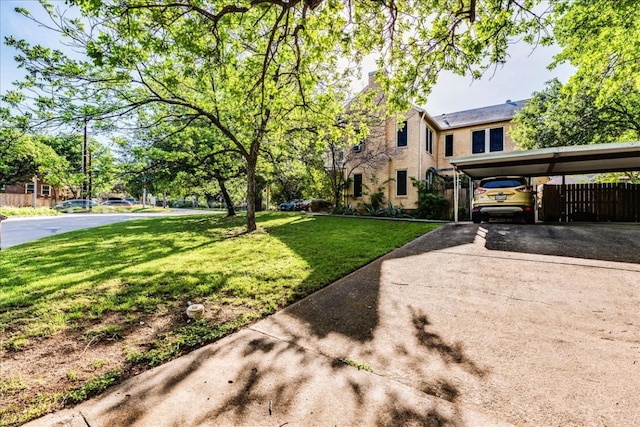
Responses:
[29,189]
[448,145]
[3,187]
[46,190]
[359,147]
[401,137]
[357,185]
[496,139]
[487,140]
[429,140]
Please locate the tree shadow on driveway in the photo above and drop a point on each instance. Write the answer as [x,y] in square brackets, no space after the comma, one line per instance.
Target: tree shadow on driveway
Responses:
[355,353]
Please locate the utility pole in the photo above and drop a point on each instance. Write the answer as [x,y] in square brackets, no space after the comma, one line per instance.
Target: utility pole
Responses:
[87,181]
[35,191]
[83,192]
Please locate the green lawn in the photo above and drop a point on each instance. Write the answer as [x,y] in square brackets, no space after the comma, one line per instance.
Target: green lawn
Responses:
[102,283]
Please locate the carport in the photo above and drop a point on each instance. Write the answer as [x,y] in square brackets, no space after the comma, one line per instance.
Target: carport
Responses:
[572,160]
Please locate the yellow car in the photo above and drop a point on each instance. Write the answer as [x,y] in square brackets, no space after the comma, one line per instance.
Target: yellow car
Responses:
[503,197]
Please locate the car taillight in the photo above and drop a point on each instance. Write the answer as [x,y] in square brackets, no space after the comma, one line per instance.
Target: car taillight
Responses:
[479,191]
[524,189]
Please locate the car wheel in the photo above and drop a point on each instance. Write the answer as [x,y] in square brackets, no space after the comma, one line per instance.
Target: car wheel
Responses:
[529,217]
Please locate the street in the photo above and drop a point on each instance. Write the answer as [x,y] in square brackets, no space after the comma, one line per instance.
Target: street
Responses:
[17,230]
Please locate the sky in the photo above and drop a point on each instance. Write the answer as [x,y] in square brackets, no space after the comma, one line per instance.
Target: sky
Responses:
[524,73]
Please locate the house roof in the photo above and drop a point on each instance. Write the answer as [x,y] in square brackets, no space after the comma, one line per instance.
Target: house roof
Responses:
[478,116]
[576,159]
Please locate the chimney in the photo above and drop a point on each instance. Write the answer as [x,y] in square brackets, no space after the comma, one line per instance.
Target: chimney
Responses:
[372,78]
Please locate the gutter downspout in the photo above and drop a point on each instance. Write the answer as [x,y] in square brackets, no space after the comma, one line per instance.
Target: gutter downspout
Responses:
[421,116]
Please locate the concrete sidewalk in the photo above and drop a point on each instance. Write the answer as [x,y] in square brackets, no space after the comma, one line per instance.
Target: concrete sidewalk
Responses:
[445,331]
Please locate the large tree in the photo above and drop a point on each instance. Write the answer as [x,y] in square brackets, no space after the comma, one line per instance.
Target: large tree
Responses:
[247,67]
[190,155]
[601,102]
[601,38]
[557,117]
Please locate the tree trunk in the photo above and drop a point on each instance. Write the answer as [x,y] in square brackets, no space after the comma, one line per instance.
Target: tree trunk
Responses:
[227,198]
[252,162]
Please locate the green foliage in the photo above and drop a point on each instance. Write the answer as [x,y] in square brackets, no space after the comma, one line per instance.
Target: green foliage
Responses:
[22,156]
[93,387]
[600,38]
[561,116]
[376,197]
[431,205]
[184,339]
[601,101]
[390,211]
[12,385]
[347,209]
[263,74]
[361,366]
[27,211]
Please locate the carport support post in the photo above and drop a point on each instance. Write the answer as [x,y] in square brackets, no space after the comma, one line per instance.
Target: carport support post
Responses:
[563,201]
[456,182]
[470,197]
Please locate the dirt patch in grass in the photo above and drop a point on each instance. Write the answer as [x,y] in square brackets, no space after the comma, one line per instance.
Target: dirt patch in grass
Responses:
[47,374]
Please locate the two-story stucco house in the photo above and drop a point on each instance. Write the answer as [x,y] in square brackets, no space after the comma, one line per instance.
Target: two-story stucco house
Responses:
[420,145]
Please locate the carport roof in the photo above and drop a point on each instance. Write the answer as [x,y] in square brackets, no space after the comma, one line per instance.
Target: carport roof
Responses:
[577,159]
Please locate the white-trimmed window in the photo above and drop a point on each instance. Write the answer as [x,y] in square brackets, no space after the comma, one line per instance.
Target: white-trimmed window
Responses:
[357,185]
[448,145]
[486,140]
[402,135]
[45,190]
[29,188]
[401,182]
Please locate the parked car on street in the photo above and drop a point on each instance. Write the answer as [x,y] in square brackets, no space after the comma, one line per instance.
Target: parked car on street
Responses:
[503,197]
[303,205]
[76,203]
[125,203]
[288,206]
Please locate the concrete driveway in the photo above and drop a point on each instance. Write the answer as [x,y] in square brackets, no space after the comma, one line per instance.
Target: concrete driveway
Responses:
[466,326]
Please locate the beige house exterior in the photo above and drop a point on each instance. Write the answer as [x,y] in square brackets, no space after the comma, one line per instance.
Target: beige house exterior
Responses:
[418,146]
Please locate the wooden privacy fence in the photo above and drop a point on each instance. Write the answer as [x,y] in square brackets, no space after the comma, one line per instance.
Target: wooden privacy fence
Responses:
[464,208]
[616,202]
[24,200]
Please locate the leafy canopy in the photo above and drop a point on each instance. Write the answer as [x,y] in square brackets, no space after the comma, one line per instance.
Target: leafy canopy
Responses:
[257,70]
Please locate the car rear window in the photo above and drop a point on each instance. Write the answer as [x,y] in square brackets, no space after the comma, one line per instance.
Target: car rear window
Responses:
[503,183]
